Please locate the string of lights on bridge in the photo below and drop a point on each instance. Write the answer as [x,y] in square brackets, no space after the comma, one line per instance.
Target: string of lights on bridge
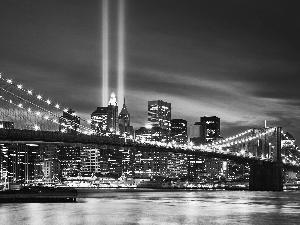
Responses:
[230,141]
[47,101]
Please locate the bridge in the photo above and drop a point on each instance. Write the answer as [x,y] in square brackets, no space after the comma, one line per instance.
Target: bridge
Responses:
[26,117]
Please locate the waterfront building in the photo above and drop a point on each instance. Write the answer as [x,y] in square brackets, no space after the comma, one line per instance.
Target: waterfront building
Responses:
[17,162]
[179,130]
[90,160]
[51,164]
[214,168]
[104,160]
[69,122]
[70,162]
[6,125]
[196,166]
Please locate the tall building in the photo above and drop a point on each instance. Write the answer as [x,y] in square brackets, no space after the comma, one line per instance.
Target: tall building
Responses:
[17,162]
[159,117]
[124,121]
[51,163]
[179,130]
[7,124]
[159,114]
[69,122]
[112,114]
[197,133]
[99,120]
[212,127]
[70,162]
[90,160]
[105,119]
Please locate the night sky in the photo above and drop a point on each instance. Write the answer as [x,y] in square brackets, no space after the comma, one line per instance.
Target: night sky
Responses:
[238,60]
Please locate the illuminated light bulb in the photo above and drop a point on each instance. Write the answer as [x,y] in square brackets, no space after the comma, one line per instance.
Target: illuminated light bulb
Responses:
[10,101]
[29,109]
[38,113]
[39,97]
[19,86]
[20,105]
[9,81]
[48,102]
[29,92]
[46,117]
[57,106]
[54,121]
[65,110]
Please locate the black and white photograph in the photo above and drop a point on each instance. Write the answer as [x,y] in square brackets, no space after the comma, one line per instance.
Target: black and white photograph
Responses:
[149,112]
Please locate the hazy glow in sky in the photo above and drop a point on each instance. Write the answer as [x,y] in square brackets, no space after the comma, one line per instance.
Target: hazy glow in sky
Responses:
[238,60]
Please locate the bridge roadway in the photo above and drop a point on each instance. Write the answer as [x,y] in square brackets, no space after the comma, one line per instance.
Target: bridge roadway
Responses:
[56,137]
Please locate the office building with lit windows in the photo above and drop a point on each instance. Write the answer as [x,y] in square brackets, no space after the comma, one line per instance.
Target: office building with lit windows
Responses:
[69,122]
[70,162]
[99,120]
[17,162]
[105,119]
[179,130]
[212,128]
[112,114]
[159,116]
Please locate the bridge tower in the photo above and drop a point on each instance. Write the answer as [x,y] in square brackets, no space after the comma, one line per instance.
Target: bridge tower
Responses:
[267,176]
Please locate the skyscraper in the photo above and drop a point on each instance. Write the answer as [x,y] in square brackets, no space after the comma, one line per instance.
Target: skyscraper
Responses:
[179,130]
[159,114]
[197,133]
[124,120]
[69,122]
[112,114]
[99,120]
[212,127]
[159,117]
[105,119]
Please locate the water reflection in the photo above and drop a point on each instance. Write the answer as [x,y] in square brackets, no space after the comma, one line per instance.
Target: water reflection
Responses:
[177,207]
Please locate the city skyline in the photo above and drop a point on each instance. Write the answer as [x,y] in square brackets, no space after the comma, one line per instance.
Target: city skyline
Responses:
[237,61]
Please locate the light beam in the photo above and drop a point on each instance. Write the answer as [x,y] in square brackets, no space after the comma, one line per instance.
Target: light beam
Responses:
[105,62]
[121,38]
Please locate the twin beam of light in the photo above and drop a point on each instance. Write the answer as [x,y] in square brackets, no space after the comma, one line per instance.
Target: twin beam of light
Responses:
[121,37]
[105,51]
[105,56]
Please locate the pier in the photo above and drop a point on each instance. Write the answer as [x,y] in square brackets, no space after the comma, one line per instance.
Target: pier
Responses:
[39,194]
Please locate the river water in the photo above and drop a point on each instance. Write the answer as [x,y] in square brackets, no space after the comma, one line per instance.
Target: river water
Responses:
[160,207]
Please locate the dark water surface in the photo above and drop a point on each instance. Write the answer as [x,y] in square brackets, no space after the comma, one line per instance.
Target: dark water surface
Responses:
[160,207]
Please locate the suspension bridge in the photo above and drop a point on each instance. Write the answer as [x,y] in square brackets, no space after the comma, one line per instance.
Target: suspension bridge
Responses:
[28,117]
